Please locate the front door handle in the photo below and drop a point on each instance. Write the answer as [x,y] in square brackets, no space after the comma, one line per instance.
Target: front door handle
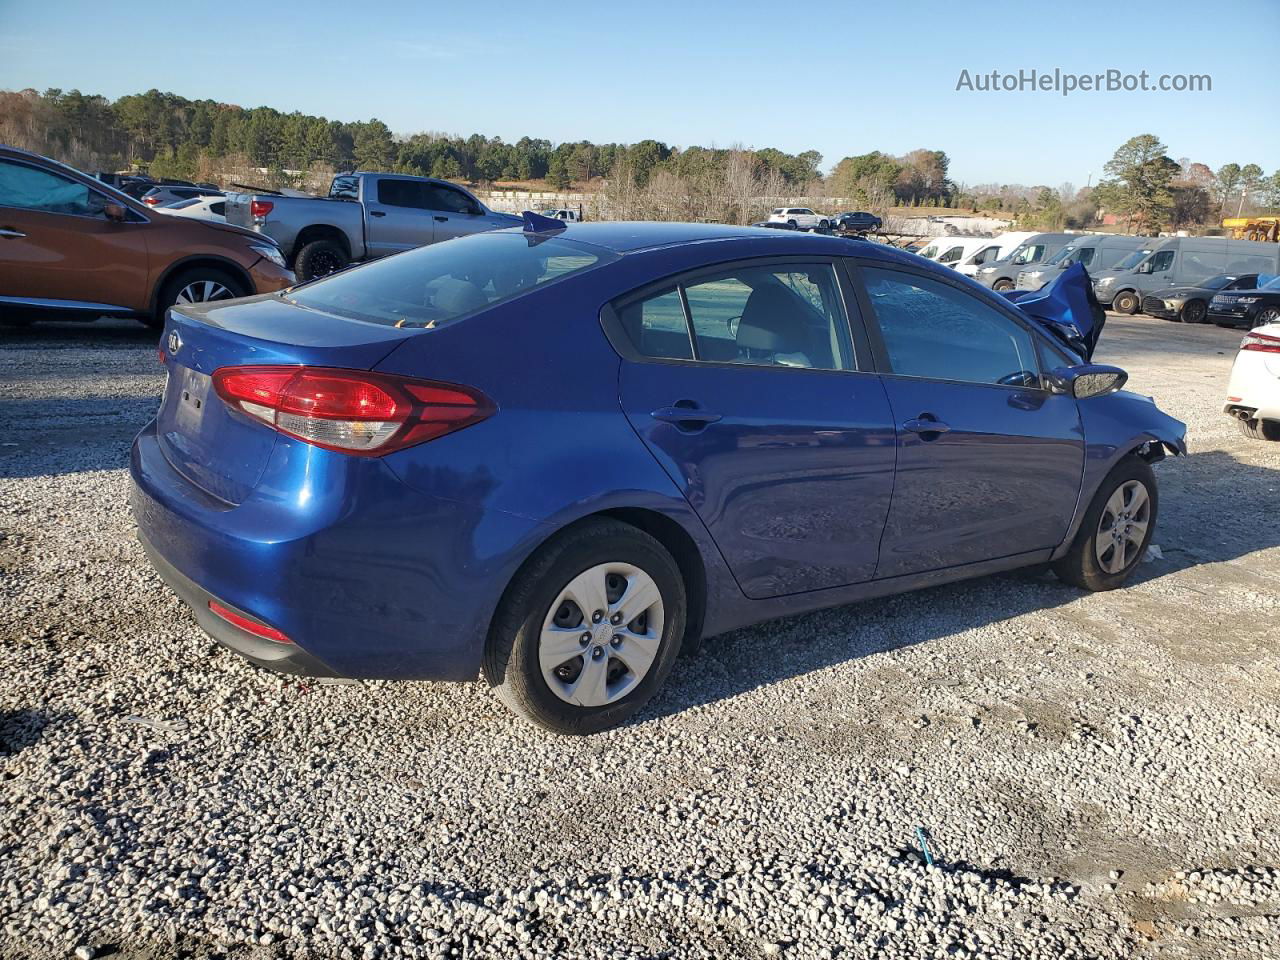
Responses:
[686,415]
[439,219]
[926,424]
[9,233]
[377,213]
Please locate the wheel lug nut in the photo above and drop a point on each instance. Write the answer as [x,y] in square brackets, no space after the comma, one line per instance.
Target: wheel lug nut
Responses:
[617,640]
[616,619]
[584,639]
[597,616]
[597,653]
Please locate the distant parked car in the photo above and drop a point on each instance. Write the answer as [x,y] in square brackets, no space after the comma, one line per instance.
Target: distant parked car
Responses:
[1248,308]
[365,216]
[771,225]
[1002,274]
[201,208]
[857,222]
[801,217]
[1190,304]
[563,213]
[1253,392]
[383,475]
[163,195]
[73,247]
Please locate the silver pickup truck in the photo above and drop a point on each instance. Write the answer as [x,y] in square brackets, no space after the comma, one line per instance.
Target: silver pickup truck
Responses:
[366,215]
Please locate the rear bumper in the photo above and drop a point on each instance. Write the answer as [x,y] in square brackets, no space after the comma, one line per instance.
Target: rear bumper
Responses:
[280,657]
[369,578]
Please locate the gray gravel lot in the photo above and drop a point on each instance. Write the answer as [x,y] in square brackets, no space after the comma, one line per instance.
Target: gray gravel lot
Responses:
[1097,775]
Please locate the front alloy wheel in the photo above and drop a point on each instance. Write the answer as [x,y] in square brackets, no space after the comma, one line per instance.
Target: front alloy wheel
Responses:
[203,291]
[1122,529]
[1115,531]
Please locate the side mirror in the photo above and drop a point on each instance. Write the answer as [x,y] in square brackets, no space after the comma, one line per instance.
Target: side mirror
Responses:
[114,211]
[1086,380]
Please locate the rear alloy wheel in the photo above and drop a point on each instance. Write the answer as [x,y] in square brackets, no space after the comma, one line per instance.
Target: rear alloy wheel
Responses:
[1115,531]
[588,630]
[319,258]
[1126,302]
[197,285]
[1000,286]
[1193,311]
[792,223]
[1256,429]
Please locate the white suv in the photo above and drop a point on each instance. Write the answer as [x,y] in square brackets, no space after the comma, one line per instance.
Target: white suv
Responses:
[801,217]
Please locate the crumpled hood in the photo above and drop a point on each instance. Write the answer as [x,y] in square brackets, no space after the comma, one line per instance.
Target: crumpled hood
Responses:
[1067,307]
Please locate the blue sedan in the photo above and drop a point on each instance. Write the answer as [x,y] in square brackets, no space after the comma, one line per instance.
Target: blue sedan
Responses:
[557,456]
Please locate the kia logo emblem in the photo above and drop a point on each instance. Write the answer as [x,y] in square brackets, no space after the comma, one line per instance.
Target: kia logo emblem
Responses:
[175,342]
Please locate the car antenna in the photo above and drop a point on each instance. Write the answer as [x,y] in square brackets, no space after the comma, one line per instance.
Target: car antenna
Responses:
[537,223]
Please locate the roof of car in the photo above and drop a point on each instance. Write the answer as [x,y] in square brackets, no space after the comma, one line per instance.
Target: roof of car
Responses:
[634,236]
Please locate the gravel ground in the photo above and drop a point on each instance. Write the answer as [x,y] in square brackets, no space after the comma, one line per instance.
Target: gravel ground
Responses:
[1096,774]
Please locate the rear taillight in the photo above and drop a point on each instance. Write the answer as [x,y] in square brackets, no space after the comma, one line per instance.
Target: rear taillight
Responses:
[150,201]
[1260,342]
[247,625]
[351,411]
[260,208]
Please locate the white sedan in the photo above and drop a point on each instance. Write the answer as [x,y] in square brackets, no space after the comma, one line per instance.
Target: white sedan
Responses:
[801,217]
[1253,393]
[200,208]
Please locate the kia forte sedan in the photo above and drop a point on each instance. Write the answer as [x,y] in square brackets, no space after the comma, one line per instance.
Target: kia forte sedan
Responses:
[557,456]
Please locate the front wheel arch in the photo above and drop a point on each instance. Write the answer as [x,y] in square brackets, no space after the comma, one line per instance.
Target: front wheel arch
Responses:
[188,263]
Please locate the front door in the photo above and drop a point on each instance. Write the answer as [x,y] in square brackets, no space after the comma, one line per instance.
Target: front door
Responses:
[989,462]
[56,244]
[759,415]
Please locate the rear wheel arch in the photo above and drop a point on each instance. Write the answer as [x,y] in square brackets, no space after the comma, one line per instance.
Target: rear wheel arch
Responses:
[188,263]
[669,533]
[319,231]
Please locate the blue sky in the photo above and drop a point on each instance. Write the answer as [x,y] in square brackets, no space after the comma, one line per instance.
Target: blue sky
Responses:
[698,72]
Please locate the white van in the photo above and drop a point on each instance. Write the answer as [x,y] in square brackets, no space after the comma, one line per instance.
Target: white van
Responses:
[996,247]
[951,251]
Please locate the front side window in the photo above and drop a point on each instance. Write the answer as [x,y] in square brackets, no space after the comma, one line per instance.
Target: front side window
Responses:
[434,285]
[1086,256]
[952,255]
[30,188]
[1133,259]
[983,255]
[1159,263]
[935,331]
[448,199]
[781,315]
[1029,253]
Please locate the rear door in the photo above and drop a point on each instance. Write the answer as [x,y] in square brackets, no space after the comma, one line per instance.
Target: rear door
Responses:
[744,384]
[56,244]
[989,462]
[398,216]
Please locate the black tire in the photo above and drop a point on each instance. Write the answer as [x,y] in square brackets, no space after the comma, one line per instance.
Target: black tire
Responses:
[1193,311]
[197,276]
[319,258]
[511,664]
[1259,429]
[1126,302]
[1001,285]
[1269,315]
[1079,566]
[793,223]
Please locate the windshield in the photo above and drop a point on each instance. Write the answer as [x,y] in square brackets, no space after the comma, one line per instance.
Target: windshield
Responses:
[1218,282]
[1063,256]
[1272,284]
[1132,260]
[433,285]
[930,251]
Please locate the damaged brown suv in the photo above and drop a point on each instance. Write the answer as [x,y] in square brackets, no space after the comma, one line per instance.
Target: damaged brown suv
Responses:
[74,248]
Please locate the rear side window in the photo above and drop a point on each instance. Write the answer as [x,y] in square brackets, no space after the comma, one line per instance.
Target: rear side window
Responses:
[783,315]
[402,193]
[30,188]
[218,209]
[935,331]
[434,285]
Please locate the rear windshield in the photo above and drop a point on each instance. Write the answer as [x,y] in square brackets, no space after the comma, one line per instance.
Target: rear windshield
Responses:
[433,285]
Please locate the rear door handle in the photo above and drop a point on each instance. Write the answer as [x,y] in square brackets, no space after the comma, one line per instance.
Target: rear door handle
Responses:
[686,416]
[377,213]
[440,219]
[9,233]
[926,423]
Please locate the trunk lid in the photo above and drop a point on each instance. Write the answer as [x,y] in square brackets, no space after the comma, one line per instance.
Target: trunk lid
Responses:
[222,452]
